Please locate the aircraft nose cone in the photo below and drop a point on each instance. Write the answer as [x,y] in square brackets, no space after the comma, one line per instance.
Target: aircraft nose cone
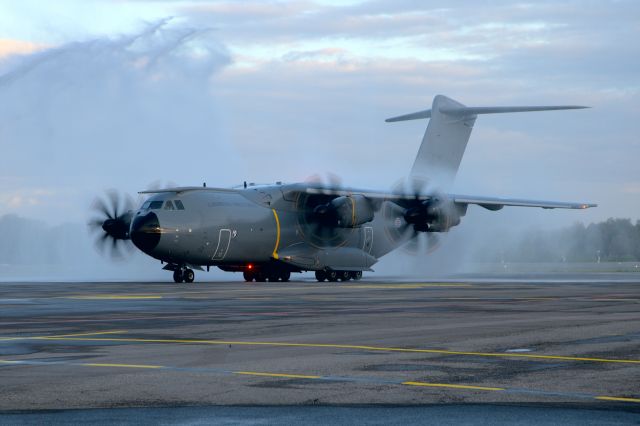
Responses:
[145,232]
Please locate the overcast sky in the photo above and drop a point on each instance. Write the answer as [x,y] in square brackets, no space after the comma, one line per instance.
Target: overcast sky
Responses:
[97,95]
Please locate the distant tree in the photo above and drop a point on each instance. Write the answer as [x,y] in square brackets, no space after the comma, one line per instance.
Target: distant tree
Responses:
[614,240]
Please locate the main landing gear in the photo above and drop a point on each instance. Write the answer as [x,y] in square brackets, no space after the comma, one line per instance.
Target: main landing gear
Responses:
[262,276]
[183,275]
[334,276]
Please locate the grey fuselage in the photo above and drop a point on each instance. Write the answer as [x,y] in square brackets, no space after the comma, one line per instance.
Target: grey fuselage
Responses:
[257,225]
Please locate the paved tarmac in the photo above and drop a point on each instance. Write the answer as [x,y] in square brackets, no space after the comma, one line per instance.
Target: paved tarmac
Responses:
[567,341]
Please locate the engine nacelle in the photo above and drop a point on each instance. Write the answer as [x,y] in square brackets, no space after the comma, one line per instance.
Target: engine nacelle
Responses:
[436,215]
[444,215]
[352,210]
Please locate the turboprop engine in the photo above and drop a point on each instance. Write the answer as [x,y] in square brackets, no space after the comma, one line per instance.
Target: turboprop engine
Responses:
[347,211]
[437,214]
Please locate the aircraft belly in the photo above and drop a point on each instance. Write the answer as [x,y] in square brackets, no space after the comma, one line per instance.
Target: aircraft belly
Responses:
[308,257]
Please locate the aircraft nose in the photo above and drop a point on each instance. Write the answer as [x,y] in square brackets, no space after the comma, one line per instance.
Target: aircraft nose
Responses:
[145,232]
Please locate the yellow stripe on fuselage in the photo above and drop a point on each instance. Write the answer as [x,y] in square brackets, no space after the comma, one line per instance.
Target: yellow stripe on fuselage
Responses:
[275,249]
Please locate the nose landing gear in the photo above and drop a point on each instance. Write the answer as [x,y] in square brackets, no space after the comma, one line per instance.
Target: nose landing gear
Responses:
[183,275]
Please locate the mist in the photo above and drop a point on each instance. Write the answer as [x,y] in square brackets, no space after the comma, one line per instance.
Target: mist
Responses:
[123,112]
[222,94]
[118,112]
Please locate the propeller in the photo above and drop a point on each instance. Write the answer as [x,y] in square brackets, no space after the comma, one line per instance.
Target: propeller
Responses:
[317,216]
[113,213]
[415,222]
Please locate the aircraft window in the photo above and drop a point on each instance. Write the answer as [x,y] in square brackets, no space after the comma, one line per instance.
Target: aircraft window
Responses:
[145,205]
[179,204]
[155,205]
[169,205]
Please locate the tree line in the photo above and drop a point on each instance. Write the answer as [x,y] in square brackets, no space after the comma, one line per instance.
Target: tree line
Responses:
[613,240]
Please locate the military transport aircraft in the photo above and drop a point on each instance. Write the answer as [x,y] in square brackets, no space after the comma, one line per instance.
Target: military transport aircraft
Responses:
[269,231]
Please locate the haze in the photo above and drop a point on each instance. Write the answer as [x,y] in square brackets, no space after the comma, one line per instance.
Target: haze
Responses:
[97,95]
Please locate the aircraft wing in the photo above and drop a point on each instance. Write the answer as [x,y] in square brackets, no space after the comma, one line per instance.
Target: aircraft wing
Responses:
[489,203]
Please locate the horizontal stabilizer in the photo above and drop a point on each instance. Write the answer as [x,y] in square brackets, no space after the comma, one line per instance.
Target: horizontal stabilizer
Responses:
[471,111]
[413,116]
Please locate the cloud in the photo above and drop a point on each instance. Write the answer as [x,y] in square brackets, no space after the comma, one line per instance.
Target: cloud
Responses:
[24,197]
[117,111]
[10,47]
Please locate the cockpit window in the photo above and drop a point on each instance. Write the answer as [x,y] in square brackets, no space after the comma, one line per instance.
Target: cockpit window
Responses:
[155,205]
[169,205]
[179,204]
[145,206]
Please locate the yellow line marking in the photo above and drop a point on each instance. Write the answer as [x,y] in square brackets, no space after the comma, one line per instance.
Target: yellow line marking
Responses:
[95,333]
[340,346]
[275,249]
[616,398]
[121,365]
[279,375]
[291,287]
[293,376]
[115,297]
[448,385]
[406,286]
[304,376]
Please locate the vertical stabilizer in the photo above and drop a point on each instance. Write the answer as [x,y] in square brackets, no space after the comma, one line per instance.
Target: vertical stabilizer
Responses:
[447,135]
[443,143]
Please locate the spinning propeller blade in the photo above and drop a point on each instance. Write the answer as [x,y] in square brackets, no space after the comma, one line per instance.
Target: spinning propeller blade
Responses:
[112,219]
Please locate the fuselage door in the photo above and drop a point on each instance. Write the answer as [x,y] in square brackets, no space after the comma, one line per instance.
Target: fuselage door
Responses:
[224,238]
[368,239]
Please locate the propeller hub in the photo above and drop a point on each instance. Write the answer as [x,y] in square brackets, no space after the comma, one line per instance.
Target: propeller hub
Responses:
[116,228]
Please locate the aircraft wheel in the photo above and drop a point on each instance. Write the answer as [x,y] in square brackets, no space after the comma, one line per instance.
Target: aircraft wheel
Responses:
[189,276]
[344,275]
[273,276]
[177,276]
[321,276]
[285,276]
[248,276]
[356,275]
[332,276]
[261,277]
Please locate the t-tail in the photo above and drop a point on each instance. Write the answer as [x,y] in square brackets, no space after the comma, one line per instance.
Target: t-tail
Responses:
[447,135]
